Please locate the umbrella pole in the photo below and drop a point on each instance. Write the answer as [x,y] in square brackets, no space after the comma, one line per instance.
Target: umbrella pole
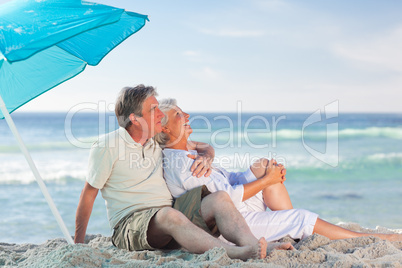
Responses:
[38,178]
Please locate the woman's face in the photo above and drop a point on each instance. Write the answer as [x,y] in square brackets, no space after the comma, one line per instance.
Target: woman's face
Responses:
[178,126]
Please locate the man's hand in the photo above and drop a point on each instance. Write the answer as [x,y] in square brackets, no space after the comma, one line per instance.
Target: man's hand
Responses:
[275,173]
[203,161]
[202,165]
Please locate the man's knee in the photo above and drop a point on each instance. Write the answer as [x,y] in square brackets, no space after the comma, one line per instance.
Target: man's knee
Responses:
[217,197]
[215,202]
[162,226]
[168,217]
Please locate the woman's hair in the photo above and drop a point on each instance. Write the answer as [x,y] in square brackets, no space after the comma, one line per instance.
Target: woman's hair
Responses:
[165,106]
[130,101]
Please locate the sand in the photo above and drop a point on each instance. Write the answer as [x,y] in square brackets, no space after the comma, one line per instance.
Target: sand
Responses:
[315,251]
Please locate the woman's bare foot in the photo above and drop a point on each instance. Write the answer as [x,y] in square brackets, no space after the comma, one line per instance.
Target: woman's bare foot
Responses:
[394,237]
[262,248]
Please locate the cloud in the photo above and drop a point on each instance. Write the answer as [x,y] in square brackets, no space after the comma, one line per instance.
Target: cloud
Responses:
[197,56]
[206,73]
[273,5]
[191,53]
[233,33]
[379,52]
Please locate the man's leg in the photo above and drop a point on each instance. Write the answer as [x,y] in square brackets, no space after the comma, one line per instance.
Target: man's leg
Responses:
[169,223]
[219,207]
[276,197]
[336,232]
[231,224]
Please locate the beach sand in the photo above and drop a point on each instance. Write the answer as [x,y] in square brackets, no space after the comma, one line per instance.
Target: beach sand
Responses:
[315,251]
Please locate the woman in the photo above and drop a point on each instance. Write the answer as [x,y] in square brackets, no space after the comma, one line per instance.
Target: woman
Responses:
[252,191]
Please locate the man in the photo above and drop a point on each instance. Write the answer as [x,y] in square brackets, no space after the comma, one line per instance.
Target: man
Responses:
[126,166]
[250,191]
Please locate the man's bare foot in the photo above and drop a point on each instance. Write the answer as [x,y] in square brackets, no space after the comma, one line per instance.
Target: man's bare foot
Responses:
[280,246]
[257,251]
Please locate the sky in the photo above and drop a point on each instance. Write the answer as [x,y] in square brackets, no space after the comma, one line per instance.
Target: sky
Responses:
[262,55]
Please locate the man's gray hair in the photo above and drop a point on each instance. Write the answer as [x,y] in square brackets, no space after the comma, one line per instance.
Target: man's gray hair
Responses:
[130,101]
[165,106]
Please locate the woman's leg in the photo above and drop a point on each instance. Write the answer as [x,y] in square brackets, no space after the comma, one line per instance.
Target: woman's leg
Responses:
[336,232]
[276,197]
[274,225]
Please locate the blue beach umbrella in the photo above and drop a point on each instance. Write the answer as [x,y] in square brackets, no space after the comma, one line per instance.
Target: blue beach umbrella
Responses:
[46,42]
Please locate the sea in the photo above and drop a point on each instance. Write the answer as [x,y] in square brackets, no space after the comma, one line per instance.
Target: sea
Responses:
[345,167]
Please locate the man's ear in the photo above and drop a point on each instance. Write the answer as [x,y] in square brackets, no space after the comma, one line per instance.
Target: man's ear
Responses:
[165,130]
[133,119]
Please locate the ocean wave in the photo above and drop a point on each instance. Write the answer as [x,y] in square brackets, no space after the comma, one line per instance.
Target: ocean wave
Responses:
[52,166]
[390,160]
[237,162]
[26,177]
[223,137]
[307,163]
[349,133]
[83,143]
[383,156]
[36,147]
[388,132]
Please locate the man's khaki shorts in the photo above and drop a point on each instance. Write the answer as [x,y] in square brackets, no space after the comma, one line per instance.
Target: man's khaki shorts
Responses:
[131,232]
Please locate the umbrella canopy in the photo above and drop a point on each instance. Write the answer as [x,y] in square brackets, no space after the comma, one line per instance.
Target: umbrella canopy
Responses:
[46,42]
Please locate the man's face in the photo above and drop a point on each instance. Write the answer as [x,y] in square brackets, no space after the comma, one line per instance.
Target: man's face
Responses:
[151,117]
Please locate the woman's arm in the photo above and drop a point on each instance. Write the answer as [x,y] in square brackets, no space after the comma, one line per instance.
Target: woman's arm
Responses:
[274,174]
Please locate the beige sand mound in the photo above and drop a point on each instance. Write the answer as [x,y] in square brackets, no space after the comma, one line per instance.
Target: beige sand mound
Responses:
[315,251]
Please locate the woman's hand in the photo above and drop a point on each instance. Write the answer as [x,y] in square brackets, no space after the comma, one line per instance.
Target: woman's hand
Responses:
[202,165]
[275,173]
